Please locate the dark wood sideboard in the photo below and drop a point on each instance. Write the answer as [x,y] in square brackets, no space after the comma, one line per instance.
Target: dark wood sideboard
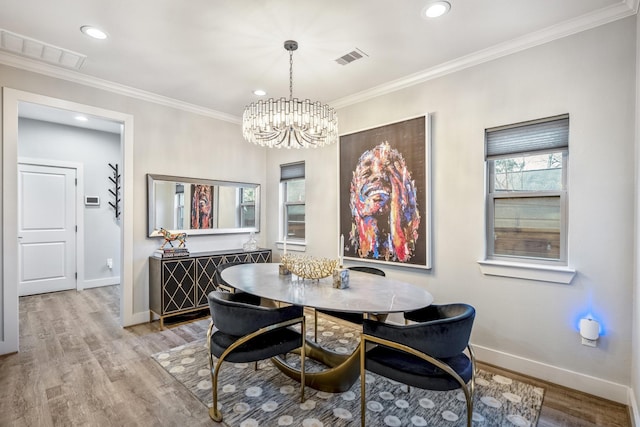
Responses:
[178,286]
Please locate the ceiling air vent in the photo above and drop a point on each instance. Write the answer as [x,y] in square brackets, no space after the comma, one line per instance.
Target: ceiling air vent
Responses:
[25,46]
[351,56]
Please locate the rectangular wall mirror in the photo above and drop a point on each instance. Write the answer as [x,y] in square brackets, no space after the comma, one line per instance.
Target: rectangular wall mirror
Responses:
[202,206]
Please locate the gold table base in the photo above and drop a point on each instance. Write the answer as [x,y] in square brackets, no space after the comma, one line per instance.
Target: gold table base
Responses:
[343,370]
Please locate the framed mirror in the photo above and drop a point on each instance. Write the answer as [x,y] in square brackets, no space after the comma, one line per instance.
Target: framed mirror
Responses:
[202,206]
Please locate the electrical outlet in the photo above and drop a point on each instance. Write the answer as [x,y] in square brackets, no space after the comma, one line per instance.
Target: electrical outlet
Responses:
[588,342]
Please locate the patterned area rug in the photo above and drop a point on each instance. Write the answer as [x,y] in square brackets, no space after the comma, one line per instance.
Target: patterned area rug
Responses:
[267,397]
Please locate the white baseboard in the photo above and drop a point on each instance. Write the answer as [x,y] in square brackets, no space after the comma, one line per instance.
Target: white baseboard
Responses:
[596,386]
[8,348]
[96,283]
[138,318]
[634,413]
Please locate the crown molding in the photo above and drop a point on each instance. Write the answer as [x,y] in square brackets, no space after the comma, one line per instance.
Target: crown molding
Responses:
[585,22]
[35,66]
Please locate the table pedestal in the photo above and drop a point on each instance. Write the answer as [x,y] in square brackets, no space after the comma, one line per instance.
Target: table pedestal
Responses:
[343,370]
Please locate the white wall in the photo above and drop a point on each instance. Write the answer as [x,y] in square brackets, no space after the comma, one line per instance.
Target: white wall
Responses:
[524,325]
[168,141]
[94,150]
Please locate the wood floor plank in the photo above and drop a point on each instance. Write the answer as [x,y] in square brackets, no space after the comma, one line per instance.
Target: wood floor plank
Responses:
[563,406]
[77,366]
[23,397]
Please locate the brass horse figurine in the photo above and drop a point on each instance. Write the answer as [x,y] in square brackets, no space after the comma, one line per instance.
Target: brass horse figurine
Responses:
[170,237]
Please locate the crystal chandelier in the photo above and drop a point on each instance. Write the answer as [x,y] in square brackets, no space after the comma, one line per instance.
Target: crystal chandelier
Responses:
[290,123]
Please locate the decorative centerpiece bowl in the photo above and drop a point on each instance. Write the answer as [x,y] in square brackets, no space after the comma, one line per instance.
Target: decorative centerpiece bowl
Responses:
[309,267]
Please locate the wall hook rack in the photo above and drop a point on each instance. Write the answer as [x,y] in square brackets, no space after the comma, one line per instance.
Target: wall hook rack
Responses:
[115,179]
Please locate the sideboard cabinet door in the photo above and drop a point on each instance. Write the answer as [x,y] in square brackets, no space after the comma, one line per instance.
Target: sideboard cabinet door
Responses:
[206,278]
[178,290]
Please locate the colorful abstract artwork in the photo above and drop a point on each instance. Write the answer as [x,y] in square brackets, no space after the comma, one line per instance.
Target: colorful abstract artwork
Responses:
[384,193]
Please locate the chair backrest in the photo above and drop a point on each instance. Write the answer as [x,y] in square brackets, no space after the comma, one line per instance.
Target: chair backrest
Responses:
[365,269]
[452,330]
[233,314]
[436,312]
[217,275]
[230,314]
[446,336]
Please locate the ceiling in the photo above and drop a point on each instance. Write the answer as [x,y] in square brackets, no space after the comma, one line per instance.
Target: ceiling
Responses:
[28,110]
[208,56]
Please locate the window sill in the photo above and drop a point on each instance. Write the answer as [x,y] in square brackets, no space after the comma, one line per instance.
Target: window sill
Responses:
[545,273]
[293,246]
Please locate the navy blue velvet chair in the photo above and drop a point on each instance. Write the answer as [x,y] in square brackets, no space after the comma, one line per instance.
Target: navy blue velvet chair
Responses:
[222,285]
[367,269]
[429,354]
[249,333]
[349,317]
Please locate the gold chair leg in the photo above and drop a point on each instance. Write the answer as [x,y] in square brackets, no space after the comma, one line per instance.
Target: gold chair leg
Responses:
[315,325]
[302,358]
[363,375]
[469,409]
[214,413]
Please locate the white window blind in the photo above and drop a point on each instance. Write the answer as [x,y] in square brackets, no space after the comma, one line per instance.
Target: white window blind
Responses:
[550,134]
[292,171]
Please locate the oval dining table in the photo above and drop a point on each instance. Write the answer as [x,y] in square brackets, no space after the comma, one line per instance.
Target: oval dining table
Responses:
[367,293]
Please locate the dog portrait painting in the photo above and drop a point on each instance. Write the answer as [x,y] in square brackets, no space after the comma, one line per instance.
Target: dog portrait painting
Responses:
[384,193]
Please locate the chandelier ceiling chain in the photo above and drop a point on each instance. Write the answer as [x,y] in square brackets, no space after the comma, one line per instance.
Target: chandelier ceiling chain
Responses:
[290,123]
[290,74]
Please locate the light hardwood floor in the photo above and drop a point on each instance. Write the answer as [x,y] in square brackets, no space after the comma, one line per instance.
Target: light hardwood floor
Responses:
[78,367]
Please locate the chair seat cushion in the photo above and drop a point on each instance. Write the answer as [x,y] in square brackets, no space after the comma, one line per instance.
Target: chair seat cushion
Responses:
[409,369]
[269,344]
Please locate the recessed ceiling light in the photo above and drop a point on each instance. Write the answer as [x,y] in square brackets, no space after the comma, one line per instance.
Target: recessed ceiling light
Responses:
[94,32]
[436,9]
[259,92]
[81,118]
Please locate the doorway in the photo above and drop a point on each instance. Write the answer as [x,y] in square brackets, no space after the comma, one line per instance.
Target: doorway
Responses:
[11,100]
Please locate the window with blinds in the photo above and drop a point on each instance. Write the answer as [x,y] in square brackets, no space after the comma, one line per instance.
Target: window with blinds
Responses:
[527,190]
[292,186]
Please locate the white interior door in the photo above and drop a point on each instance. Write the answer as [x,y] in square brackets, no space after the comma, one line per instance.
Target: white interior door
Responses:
[46,229]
